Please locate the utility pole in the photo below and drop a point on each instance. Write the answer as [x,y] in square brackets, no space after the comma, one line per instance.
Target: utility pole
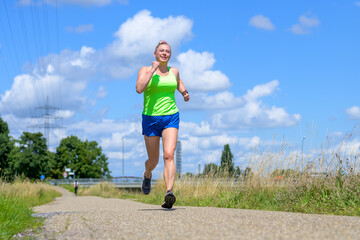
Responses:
[123,156]
[47,116]
[178,158]
[302,152]
[302,149]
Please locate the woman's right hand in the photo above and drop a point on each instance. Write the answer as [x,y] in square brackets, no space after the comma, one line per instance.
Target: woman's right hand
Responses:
[144,76]
[155,65]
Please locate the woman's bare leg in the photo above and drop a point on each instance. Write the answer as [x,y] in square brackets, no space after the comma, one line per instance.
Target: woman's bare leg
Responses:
[152,148]
[169,136]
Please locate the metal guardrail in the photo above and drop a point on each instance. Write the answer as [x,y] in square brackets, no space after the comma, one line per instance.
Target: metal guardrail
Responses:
[136,182]
[130,182]
[119,182]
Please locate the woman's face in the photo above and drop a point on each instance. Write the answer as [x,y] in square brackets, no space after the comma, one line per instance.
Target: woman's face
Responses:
[163,53]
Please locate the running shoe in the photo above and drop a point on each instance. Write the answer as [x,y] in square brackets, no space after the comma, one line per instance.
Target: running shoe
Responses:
[146,185]
[169,201]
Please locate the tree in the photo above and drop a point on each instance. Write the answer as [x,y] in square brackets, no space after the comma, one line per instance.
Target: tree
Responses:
[6,145]
[211,168]
[189,175]
[84,158]
[247,173]
[237,172]
[31,158]
[285,173]
[227,163]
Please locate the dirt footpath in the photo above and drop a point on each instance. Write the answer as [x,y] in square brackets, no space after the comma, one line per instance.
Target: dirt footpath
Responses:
[70,217]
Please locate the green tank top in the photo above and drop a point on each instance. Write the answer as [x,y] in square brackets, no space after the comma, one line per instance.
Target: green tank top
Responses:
[159,95]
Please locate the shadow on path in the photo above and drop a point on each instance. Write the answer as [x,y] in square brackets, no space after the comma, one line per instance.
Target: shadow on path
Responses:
[160,209]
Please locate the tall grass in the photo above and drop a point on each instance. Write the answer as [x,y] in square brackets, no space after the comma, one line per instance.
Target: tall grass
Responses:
[16,202]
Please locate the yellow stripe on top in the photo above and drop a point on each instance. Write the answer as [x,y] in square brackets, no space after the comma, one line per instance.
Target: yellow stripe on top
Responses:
[159,95]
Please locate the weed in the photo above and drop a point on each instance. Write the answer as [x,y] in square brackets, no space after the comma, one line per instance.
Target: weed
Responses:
[16,202]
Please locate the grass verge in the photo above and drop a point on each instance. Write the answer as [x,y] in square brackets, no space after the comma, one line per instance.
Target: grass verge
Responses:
[16,202]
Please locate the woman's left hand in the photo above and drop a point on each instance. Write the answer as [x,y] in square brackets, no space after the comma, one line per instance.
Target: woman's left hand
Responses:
[186,96]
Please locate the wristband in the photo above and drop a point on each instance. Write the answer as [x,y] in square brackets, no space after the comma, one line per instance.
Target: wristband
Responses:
[184,92]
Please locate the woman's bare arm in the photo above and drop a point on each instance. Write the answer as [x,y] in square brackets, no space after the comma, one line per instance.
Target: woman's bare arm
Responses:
[180,85]
[144,77]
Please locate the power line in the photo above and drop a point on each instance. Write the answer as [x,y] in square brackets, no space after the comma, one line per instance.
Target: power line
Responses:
[13,44]
[37,40]
[58,51]
[45,90]
[26,42]
[47,116]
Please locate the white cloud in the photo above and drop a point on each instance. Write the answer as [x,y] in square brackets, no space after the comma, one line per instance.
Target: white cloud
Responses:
[142,32]
[19,125]
[106,126]
[208,149]
[357,3]
[81,28]
[253,113]
[64,113]
[353,112]
[61,79]
[260,21]
[242,112]
[262,90]
[305,25]
[308,22]
[254,142]
[136,40]
[197,144]
[71,65]
[39,88]
[127,155]
[202,101]
[101,93]
[111,135]
[337,134]
[115,141]
[196,74]
[202,129]
[350,147]
[83,59]
[212,156]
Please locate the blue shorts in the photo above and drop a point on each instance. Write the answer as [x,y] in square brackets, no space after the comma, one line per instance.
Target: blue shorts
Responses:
[154,125]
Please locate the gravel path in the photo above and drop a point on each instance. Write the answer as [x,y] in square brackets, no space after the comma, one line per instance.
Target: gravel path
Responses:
[70,217]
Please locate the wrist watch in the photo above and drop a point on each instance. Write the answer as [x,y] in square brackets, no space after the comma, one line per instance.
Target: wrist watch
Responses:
[184,92]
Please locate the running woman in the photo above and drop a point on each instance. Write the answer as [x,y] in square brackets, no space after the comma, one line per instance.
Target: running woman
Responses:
[160,117]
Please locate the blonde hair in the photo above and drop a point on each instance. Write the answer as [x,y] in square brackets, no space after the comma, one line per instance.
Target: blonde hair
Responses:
[161,43]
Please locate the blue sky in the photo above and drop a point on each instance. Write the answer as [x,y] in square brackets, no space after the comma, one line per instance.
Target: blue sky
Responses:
[254,70]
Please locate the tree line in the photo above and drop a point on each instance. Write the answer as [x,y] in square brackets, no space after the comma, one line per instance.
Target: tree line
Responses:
[29,157]
[227,167]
